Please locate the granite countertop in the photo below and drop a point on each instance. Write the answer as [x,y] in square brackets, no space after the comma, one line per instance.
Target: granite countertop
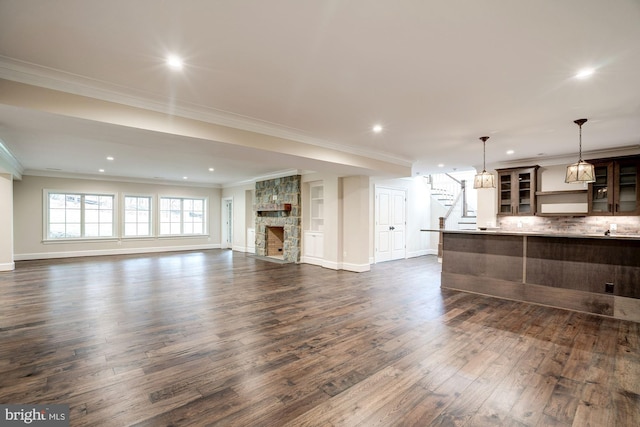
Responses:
[540,234]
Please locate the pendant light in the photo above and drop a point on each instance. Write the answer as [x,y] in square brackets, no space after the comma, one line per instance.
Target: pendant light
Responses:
[581,172]
[484,179]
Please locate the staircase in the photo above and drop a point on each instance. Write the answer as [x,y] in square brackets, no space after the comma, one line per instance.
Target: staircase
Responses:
[454,196]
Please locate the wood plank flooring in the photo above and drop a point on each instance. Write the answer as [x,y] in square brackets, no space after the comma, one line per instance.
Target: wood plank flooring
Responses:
[222,338]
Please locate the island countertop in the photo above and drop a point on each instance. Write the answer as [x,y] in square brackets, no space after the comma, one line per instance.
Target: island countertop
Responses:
[540,234]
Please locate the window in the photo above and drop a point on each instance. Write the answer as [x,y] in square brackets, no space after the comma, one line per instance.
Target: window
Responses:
[180,216]
[78,215]
[137,216]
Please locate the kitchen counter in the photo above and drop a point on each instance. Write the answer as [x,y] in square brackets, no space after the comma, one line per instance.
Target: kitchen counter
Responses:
[540,234]
[591,273]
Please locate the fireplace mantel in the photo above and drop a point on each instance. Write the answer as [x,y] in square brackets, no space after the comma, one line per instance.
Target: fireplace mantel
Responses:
[273,207]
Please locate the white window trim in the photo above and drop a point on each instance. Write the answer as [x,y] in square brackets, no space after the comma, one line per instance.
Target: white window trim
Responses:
[45,217]
[205,225]
[152,217]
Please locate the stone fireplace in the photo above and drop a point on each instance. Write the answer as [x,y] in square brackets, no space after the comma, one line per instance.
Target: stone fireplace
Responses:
[278,218]
[275,241]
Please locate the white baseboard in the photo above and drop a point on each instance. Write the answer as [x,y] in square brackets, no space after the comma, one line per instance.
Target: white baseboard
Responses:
[100,252]
[357,268]
[7,266]
[422,252]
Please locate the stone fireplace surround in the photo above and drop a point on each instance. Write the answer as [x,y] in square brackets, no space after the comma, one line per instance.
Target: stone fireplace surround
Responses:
[283,210]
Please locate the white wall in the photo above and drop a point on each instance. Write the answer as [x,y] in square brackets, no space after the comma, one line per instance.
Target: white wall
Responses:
[29,222]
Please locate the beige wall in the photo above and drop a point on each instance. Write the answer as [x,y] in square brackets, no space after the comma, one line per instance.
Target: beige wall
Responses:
[29,223]
[243,216]
[355,237]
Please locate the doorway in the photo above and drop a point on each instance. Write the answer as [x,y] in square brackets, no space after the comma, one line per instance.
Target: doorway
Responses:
[390,224]
[227,223]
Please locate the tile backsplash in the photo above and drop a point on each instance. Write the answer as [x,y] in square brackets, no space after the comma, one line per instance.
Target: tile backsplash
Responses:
[579,225]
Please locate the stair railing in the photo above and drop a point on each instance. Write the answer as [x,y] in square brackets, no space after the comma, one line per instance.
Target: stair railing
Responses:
[459,193]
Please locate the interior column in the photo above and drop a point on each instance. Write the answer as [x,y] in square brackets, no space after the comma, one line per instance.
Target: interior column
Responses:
[6,222]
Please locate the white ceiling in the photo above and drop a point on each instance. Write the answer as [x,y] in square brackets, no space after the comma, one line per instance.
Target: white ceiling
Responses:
[435,74]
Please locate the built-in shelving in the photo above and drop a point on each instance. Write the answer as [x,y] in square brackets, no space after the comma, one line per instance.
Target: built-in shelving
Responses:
[561,192]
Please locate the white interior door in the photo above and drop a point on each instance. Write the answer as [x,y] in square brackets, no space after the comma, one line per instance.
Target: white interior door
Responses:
[390,238]
[227,224]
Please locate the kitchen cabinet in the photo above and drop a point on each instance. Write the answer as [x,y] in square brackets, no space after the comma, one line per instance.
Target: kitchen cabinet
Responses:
[616,190]
[517,191]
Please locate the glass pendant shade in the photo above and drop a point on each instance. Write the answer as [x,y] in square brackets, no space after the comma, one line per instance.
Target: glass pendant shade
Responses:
[581,172]
[484,179]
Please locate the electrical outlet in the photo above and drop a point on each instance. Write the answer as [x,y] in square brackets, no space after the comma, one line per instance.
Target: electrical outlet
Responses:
[274,197]
[613,227]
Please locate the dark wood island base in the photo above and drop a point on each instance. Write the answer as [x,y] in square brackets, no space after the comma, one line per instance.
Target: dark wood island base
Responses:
[592,274]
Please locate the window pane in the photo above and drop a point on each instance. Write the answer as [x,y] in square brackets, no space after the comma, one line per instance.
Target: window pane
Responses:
[175,228]
[188,228]
[143,203]
[130,230]
[72,201]
[144,229]
[106,216]
[56,200]
[57,215]
[91,202]
[73,216]
[165,228]
[143,216]
[91,230]
[106,202]
[197,229]
[106,230]
[91,216]
[57,231]
[130,216]
[73,230]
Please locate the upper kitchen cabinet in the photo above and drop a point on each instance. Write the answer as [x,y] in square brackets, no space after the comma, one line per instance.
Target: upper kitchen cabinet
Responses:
[616,190]
[517,191]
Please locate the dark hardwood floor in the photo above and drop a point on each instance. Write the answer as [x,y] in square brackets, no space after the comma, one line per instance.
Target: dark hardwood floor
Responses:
[222,338]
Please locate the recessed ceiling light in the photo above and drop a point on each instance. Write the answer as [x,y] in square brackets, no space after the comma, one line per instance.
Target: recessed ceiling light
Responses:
[100,170]
[377,128]
[440,165]
[109,158]
[510,152]
[211,169]
[185,177]
[174,62]
[584,73]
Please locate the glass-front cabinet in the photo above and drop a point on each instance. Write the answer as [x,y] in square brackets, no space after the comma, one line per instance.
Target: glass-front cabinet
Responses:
[517,191]
[616,190]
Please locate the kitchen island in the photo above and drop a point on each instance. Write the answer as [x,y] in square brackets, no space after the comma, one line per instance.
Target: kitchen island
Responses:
[590,273]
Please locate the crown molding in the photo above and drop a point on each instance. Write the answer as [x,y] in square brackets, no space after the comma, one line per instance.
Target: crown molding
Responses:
[9,162]
[36,75]
[111,178]
[569,158]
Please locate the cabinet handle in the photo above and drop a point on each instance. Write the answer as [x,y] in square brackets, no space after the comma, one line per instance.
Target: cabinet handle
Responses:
[617,207]
[609,207]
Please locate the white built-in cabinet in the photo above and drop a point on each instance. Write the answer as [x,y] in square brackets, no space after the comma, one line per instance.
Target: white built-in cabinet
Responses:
[314,236]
